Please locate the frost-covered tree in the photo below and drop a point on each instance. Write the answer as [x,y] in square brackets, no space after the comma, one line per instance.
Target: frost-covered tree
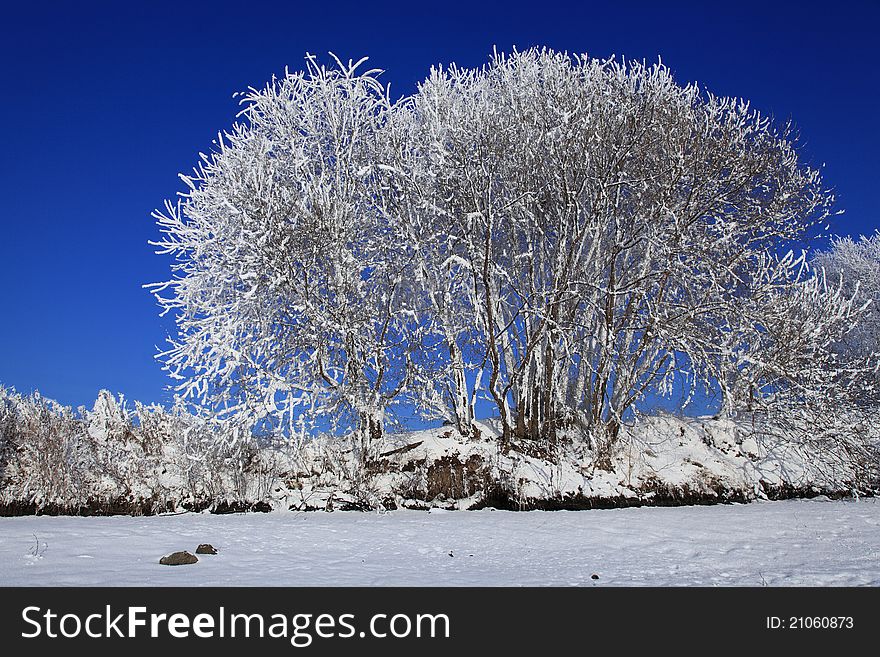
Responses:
[603,228]
[290,288]
[855,265]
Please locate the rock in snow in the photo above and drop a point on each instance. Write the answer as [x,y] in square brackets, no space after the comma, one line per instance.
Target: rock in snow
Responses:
[178,559]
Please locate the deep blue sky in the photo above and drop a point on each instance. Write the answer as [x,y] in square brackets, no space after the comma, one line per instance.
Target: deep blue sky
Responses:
[103,105]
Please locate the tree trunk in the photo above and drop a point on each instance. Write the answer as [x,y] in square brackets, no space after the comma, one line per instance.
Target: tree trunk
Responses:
[370,431]
[461,401]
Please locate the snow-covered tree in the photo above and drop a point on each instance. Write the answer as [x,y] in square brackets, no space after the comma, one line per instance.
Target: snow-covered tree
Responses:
[290,287]
[855,265]
[602,225]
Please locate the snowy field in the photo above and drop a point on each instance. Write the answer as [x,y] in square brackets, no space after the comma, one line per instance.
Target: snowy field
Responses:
[790,543]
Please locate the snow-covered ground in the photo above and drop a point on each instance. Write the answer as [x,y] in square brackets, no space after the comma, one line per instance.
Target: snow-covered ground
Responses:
[798,542]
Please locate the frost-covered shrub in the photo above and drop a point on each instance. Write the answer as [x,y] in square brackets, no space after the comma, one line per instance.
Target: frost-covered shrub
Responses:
[46,456]
[111,458]
[118,460]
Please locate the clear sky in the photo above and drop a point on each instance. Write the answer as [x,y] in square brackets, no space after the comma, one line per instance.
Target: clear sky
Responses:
[104,103]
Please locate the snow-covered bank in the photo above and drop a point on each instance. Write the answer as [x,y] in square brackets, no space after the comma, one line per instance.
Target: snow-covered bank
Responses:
[660,460]
[112,461]
[797,543]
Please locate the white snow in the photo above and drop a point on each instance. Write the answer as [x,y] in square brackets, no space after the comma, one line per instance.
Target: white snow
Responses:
[792,543]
